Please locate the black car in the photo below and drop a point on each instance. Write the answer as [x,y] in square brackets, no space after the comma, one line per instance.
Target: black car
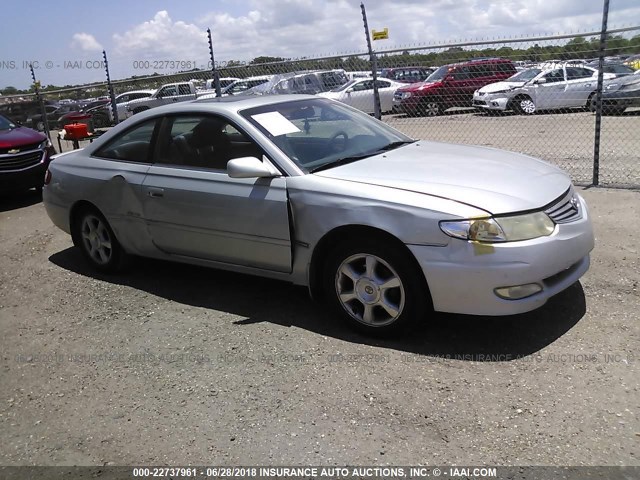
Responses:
[20,112]
[54,114]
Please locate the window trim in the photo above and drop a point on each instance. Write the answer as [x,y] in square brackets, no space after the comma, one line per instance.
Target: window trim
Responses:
[152,143]
[160,127]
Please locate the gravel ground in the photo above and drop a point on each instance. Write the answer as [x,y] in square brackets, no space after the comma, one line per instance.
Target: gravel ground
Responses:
[173,364]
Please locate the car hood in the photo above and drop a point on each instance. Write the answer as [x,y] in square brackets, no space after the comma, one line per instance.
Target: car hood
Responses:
[19,136]
[500,86]
[493,180]
[419,86]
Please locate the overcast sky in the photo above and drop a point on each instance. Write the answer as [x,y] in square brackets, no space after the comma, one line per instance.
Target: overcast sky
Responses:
[62,38]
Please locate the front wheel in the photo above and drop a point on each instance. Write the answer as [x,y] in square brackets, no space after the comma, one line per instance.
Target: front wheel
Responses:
[95,238]
[374,286]
[430,108]
[524,105]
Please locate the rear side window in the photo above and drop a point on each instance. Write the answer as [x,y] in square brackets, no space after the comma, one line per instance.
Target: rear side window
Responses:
[133,145]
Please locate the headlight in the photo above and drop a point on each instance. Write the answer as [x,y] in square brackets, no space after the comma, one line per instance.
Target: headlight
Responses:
[501,229]
[45,144]
[404,95]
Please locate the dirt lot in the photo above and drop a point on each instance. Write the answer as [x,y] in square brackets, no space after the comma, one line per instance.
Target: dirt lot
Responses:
[173,364]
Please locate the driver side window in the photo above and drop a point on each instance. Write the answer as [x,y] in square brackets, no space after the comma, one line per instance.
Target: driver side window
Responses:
[203,141]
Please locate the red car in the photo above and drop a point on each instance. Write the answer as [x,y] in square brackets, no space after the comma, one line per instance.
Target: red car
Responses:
[451,86]
[24,156]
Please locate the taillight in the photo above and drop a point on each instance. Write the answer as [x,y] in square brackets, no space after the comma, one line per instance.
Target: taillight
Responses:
[47,177]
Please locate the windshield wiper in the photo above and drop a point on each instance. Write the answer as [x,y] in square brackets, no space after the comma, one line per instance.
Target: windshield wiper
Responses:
[394,145]
[341,161]
[353,158]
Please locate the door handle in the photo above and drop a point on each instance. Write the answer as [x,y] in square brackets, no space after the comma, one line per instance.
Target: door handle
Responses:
[155,192]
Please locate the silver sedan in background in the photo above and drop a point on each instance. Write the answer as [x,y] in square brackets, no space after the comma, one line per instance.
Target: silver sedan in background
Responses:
[384,228]
[358,93]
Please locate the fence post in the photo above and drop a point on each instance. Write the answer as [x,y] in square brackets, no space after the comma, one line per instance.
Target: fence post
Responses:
[112,96]
[596,142]
[214,70]
[43,111]
[374,65]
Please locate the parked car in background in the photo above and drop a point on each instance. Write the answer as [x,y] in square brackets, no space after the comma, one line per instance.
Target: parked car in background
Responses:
[613,69]
[555,87]
[407,74]
[359,94]
[55,113]
[24,156]
[170,93]
[19,112]
[633,61]
[122,103]
[498,95]
[240,86]
[620,93]
[309,83]
[94,111]
[384,228]
[451,86]
[224,82]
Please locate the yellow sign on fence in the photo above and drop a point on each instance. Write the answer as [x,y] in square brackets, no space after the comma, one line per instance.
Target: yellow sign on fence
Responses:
[380,35]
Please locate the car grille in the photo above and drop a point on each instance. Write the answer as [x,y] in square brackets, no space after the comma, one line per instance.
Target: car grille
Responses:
[565,209]
[479,102]
[20,161]
[21,149]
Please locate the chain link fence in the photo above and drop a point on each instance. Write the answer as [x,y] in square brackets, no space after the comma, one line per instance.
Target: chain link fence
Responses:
[536,95]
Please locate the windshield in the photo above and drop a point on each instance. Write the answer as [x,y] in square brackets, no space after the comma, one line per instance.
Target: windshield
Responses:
[316,133]
[6,124]
[439,74]
[525,75]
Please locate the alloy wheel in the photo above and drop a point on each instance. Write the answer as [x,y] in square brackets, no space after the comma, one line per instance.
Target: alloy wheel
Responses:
[96,239]
[370,290]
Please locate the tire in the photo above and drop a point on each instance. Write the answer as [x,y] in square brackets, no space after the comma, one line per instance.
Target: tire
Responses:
[139,109]
[523,105]
[591,103]
[429,108]
[374,287]
[93,235]
[40,126]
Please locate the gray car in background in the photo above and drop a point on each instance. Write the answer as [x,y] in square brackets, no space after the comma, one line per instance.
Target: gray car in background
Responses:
[382,227]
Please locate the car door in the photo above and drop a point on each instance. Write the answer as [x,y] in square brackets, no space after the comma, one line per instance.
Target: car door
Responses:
[458,88]
[123,163]
[550,94]
[167,95]
[194,209]
[581,83]
[360,96]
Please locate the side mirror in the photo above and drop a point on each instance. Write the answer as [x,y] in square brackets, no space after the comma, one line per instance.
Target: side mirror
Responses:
[540,81]
[248,167]
[350,89]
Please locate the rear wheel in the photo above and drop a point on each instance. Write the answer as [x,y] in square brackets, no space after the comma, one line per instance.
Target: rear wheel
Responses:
[375,287]
[524,105]
[95,238]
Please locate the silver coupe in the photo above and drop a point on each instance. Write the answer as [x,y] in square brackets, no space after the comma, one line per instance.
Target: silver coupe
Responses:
[384,228]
